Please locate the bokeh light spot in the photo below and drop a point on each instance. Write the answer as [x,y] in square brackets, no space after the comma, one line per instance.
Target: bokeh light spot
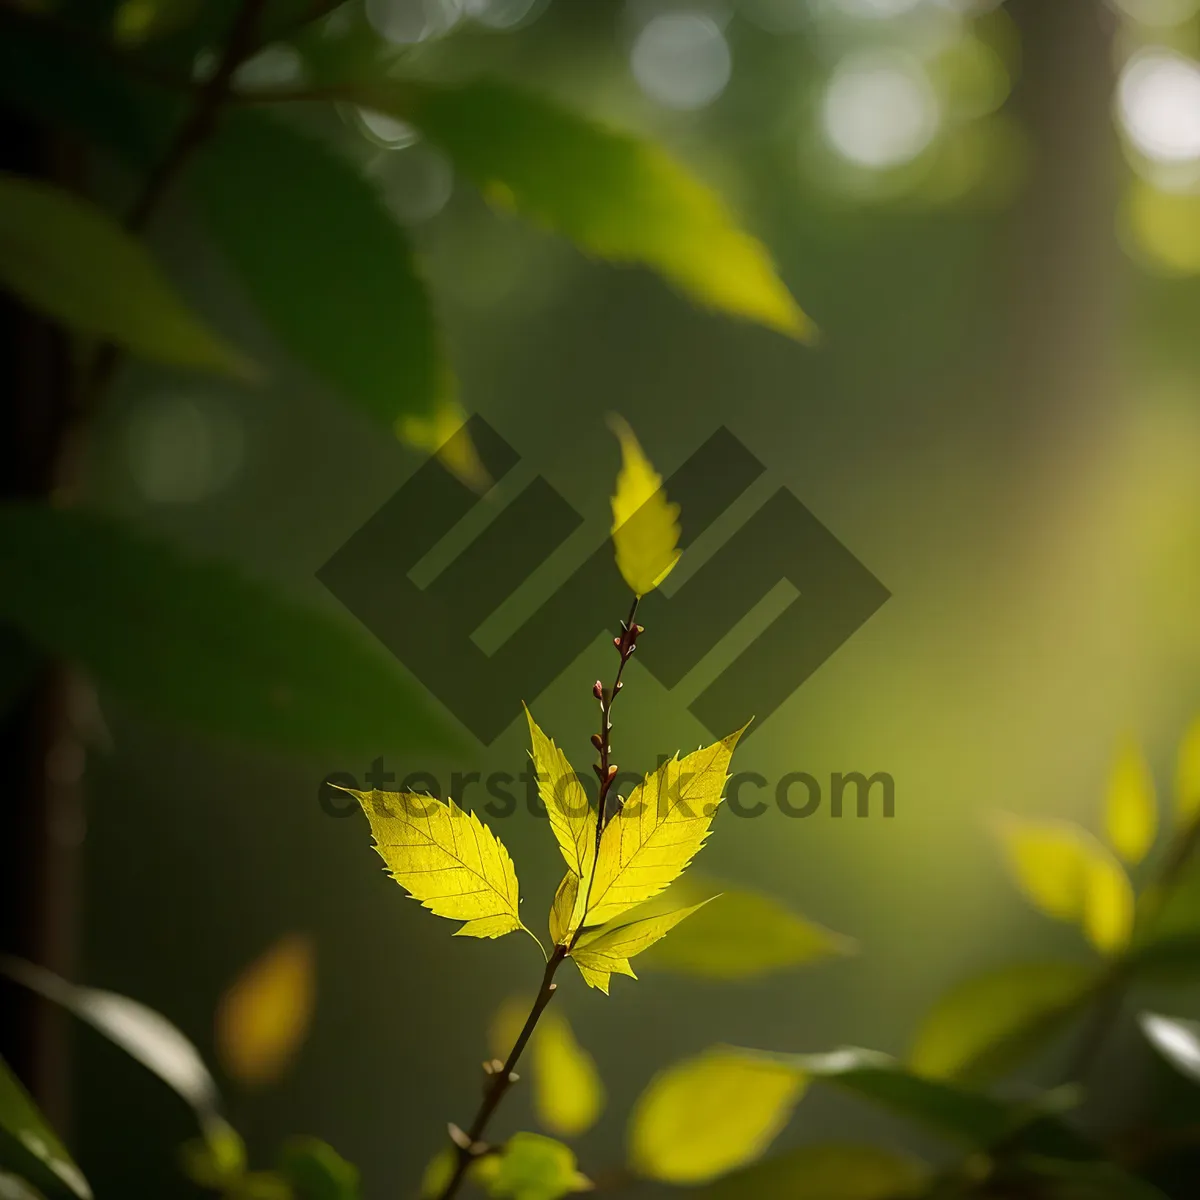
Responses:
[879,109]
[182,450]
[407,22]
[681,60]
[1158,101]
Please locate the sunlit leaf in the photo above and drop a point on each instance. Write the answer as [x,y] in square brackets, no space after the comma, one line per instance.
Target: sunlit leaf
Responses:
[198,643]
[658,830]
[1177,1040]
[607,950]
[30,1146]
[332,275]
[568,1095]
[710,1114]
[742,935]
[645,528]
[566,911]
[572,817]
[1187,776]
[1131,815]
[982,1022]
[832,1172]
[265,1014]
[447,859]
[1069,875]
[531,1167]
[142,1033]
[70,260]
[316,1171]
[614,195]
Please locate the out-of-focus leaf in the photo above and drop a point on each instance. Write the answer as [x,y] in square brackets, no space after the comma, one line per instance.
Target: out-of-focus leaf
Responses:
[606,951]
[1177,1040]
[615,195]
[216,1159]
[711,1114]
[833,1172]
[442,433]
[1131,815]
[265,1014]
[531,1167]
[568,1095]
[317,1171]
[446,858]
[142,1033]
[136,21]
[69,259]
[437,1174]
[645,528]
[741,935]
[199,643]
[1075,1179]
[984,1022]
[12,1187]
[29,1146]
[1069,875]
[1187,776]
[327,266]
[658,830]
[964,1116]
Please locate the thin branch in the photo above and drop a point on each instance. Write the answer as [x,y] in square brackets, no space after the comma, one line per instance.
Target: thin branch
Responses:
[470,1147]
[196,128]
[606,771]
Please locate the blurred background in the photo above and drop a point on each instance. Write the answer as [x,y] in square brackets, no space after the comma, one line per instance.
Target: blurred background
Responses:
[992,213]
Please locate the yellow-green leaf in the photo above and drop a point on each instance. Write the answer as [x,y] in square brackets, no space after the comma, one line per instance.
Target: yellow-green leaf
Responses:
[1187,776]
[568,1095]
[614,195]
[70,260]
[658,830]
[980,1020]
[572,817]
[743,935]
[608,949]
[566,910]
[531,1167]
[447,859]
[1108,906]
[645,528]
[711,1114]
[1131,815]
[831,1172]
[1070,876]
[266,1012]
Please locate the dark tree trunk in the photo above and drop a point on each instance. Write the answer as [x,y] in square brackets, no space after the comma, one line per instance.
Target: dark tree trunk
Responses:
[40,815]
